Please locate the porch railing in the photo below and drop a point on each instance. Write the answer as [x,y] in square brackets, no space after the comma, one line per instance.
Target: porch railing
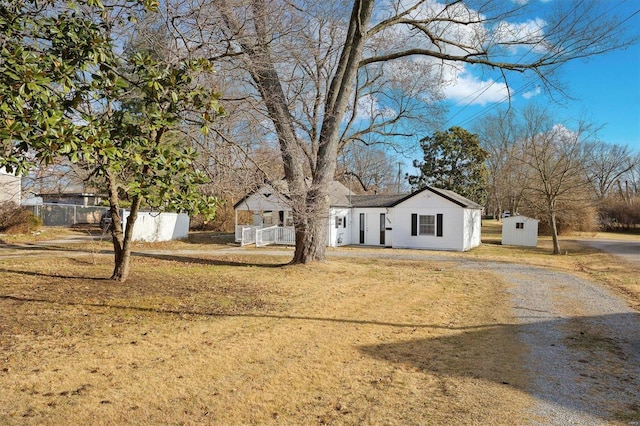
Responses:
[248,235]
[264,236]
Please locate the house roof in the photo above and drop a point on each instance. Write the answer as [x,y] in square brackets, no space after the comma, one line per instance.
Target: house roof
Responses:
[454,197]
[519,217]
[338,193]
[341,196]
[376,200]
[395,199]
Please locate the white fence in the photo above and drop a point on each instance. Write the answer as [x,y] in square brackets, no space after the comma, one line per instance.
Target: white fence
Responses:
[264,236]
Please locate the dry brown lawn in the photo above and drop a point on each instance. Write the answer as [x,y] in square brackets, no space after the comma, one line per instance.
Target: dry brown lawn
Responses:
[242,339]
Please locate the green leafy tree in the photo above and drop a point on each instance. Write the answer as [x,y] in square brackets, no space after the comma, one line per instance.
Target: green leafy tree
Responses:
[68,91]
[453,160]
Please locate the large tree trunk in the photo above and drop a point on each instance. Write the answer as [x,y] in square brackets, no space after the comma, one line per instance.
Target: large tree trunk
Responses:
[122,248]
[313,234]
[311,231]
[117,234]
[310,204]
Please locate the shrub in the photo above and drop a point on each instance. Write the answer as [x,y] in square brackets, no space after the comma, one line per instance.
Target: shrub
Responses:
[17,220]
[618,214]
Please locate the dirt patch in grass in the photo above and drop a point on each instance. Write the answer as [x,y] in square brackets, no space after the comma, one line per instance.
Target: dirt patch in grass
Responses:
[44,234]
[245,340]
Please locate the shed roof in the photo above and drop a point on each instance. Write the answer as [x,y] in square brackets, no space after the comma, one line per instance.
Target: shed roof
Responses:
[518,218]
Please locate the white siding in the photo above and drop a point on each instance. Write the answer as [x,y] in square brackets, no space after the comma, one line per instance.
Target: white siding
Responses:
[154,227]
[526,236]
[371,225]
[338,236]
[428,203]
[10,187]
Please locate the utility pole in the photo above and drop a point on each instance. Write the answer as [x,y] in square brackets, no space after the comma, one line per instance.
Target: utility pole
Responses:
[399,175]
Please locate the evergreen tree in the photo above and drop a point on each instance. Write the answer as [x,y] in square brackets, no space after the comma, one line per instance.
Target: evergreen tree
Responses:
[453,160]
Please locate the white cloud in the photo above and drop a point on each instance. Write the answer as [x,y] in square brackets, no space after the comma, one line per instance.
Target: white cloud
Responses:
[466,89]
[369,107]
[529,34]
[461,85]
[530,94]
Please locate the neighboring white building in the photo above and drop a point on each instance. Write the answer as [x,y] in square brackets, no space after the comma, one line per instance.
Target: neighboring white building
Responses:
[154,227]
[10,187]
[520,231]
[430,218]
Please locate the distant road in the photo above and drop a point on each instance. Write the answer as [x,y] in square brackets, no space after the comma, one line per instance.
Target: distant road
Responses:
[627,249]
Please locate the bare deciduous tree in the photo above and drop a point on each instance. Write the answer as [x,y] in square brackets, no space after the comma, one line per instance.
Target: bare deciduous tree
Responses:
[500,135]
[553,160]
[320,73]
[372,169]
[606,165]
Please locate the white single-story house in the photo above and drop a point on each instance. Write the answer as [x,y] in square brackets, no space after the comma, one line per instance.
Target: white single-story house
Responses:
[431,218]
[520,231]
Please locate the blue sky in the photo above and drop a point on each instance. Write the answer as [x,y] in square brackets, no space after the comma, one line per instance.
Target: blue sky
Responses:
[605,91]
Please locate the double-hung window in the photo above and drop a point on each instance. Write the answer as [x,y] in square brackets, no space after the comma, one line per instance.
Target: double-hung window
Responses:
[427,224]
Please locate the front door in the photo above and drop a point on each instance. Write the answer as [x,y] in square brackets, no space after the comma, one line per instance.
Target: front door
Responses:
[382,227]
[361,228]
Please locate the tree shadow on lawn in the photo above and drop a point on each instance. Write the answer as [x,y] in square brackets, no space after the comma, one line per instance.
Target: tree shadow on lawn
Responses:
[183,259]
[34,249]
[50,275]
[184,311]
[588,365]
[207,261]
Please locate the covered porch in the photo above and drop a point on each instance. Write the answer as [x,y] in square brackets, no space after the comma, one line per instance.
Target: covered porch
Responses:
[263,220]
[263,217]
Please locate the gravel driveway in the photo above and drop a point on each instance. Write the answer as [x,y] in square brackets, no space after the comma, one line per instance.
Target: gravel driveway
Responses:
[583,342]
[584,346]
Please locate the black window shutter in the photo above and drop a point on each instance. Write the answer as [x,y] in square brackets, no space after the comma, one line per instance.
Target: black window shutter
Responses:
[439,225]
[414,224]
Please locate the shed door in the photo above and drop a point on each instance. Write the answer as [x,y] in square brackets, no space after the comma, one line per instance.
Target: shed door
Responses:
[361,228]
[382,227]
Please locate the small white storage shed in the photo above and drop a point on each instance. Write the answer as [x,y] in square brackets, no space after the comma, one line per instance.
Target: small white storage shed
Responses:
[520,231]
